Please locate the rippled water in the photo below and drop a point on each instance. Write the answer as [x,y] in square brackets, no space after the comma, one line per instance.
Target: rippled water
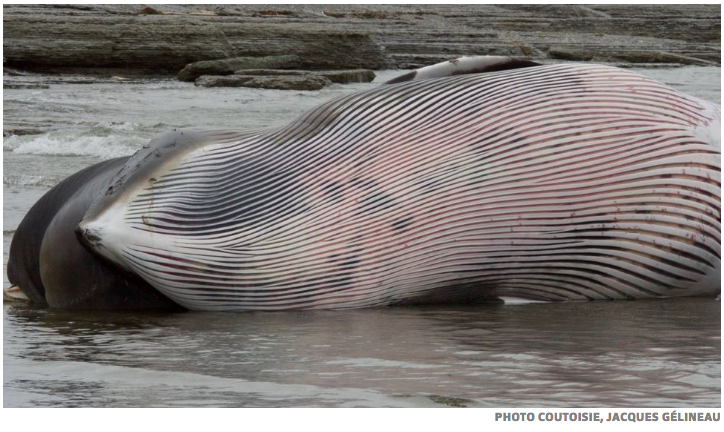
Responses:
[637,353]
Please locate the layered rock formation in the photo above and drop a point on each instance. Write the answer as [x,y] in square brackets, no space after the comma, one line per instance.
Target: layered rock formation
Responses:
[280,79]
[165,38]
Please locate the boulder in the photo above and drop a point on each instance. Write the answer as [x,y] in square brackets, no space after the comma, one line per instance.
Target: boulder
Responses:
[632,56]
[651,56]
[231,65]
[336,76]
[149,11]
[304,82]
[561,53]
[25,86]
[349,76]
[276,82]
[14,72]
[222,81]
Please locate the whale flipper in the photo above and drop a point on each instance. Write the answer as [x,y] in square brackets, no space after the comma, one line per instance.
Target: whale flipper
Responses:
[463,66]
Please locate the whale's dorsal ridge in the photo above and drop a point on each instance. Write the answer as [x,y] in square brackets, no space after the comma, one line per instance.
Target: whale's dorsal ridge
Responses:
[464,66]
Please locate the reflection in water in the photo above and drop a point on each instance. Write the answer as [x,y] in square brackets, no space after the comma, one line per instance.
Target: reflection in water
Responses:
[639,353]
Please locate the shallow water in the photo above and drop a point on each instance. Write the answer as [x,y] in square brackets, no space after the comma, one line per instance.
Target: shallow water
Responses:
[638,353]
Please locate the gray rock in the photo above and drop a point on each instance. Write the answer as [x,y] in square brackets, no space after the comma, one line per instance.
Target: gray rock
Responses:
[229,66]
[222,81]
[304,82]
[277,82]
[40,38]
[349,76]
[660,57]
[25,86]
[48,37]
[339,77]
[13,72]
[149,11]
[272,72]
[570,54]
[633,56]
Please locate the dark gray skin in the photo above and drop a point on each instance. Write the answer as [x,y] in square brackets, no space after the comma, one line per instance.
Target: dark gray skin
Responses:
[53,268]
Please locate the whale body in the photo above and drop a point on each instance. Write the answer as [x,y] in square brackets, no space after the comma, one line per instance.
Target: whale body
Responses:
[538,182]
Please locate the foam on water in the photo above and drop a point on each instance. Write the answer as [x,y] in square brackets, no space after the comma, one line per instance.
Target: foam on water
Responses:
[31,180]
[75,143]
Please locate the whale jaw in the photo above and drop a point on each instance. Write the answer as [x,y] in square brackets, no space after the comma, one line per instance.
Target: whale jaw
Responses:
[100,234]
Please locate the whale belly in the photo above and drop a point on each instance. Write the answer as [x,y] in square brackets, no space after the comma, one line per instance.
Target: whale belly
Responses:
[561,182]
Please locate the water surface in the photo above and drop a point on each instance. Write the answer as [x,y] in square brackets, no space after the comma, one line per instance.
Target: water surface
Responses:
[637,353]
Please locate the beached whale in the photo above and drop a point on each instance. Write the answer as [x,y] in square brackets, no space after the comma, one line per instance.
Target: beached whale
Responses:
[471,180]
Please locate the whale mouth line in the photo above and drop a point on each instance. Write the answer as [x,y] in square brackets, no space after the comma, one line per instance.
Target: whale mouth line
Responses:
[91,238]
[86,237]
[93,242]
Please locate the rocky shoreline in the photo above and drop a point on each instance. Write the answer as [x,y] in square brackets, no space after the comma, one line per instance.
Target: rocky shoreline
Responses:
[163,39]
